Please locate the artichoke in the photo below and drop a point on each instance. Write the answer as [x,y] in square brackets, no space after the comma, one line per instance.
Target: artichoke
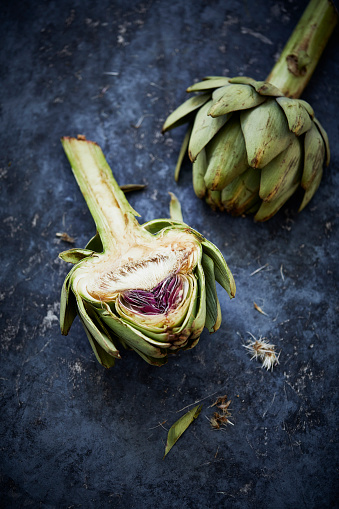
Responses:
[148,287]
[251,143]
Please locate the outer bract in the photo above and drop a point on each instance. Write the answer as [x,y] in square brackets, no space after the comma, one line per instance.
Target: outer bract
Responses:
[251,147]
[148,287]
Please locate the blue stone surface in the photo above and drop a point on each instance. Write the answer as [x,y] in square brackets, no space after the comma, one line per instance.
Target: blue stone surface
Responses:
[76,435]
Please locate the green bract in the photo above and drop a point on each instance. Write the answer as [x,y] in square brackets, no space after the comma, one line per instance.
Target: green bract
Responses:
[251,147]
[148,287]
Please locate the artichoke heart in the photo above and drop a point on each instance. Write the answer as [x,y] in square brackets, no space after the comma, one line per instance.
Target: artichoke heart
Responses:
[140,267]
[144,287]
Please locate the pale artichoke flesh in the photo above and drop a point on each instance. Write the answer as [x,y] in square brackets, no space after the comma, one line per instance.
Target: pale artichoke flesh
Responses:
[146,287]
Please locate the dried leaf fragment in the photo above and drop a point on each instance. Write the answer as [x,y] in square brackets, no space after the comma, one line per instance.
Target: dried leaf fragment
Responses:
[65,237]
[175,208]
[221,419]
[258,308]
[180,426]
[224,406]
[220,401]
[129,188]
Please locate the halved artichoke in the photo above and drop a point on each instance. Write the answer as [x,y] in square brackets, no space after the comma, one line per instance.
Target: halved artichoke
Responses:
[148,287]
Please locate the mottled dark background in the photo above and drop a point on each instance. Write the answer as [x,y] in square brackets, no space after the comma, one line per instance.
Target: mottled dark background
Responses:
[75,435]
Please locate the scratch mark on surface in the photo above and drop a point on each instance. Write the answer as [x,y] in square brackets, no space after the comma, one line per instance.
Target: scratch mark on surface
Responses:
[199,400]
[269,406]
[258,270]
[257,35]
[39,352]
[281,273]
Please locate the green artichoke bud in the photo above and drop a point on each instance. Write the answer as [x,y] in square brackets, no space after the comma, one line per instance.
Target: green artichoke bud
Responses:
[251,143]
[148,287]
[251,147]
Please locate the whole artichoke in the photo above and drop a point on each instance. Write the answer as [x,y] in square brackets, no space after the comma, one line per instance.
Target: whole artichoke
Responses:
[254,143]
[148,287]
[251,147]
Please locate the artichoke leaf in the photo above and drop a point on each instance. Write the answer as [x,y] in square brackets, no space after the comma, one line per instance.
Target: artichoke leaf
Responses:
[156,225]
[95,244]
[214,78]
[68,305]
[299,120]
[278,175]
[183,227]
[162,225]
[199,168]
[226,156]
[262,87]
[153,333]
[99,335]
[193,341]
[211,293]
[311,189]
[307,107]
[266,133]
[130,188]
[314,156]
[175,209]
[213,199]
[219,317]
[182,152]
[253,208]
[181,114]
[218,93]
[68,309]
[208,84]
[75,255]
[267,89]
[134,338]
[178,428]
[190,314]
[101,355]
[325,138]
[222,273]
[268,209]
[200,318]
[93,324]
[156,336]
[236,97]
[204,128]
[99,323]
[242,80]
[242,192]
[159,361]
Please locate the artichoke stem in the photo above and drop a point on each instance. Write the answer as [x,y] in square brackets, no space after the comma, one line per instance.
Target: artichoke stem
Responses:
[114,217]
[302,52]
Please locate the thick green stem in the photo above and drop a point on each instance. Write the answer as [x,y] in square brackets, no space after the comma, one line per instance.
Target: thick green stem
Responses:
[303,49]
[113,215]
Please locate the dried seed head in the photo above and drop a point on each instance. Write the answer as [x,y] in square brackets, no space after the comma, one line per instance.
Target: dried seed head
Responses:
[263,351]
[221,419]
[214,423]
